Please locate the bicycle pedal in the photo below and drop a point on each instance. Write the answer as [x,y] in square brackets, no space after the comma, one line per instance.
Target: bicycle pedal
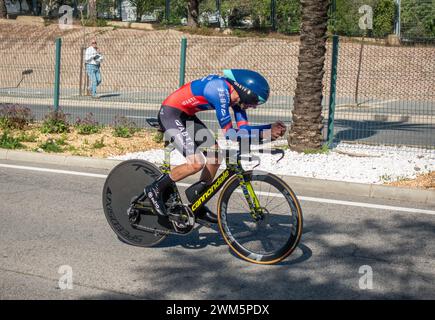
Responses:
[175,218]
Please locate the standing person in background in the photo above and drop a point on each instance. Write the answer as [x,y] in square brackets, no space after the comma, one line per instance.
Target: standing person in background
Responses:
[93,60]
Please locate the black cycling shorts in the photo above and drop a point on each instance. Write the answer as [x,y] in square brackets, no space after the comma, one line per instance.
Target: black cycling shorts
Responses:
[186,133]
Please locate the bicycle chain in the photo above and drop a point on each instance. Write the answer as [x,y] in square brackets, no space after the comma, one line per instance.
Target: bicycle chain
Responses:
[172,202]
[169,232]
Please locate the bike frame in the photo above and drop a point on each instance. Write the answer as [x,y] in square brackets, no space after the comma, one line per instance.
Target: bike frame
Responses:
[219,182]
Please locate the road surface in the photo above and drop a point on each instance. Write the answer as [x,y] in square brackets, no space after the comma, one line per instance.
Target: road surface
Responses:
[52,221]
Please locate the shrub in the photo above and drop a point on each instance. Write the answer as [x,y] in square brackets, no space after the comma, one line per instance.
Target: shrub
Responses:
[87,125]
[323,150]
[14,116]
[96,23]
[158,137]
[383,18]
[55,122]
[24,137]
[288,15]
[418,19]
[62,140]
[9,142]
[123,127]
[50,146]
[99,144]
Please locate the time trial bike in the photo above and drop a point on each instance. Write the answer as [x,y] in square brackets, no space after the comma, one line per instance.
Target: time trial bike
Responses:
[259,216]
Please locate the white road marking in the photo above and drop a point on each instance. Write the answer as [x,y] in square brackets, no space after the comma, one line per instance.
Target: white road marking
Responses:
[302,198]
[74,173]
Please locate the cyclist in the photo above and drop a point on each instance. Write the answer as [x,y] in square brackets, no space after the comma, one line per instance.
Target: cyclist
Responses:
[238,89]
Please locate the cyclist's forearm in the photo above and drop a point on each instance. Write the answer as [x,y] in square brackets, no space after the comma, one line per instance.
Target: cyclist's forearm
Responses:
[243,133]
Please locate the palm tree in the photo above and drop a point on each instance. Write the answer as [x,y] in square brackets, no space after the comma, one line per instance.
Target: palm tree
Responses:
[306,131]
[3,11]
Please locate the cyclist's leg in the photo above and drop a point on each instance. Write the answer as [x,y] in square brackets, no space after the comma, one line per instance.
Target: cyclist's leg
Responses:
[204,138]
[180,132]
[172,121]
[207,145]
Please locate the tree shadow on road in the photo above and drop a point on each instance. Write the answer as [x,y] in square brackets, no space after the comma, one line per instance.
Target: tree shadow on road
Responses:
[401,254]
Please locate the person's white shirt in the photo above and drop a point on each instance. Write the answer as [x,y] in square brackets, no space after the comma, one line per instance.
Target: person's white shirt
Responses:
[92,53]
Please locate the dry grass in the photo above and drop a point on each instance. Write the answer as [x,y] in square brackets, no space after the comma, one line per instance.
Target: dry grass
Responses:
[76,144]
[423,181]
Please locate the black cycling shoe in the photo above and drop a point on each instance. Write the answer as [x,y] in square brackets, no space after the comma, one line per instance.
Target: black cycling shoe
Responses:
[155,196]
[155,191]
[206,214]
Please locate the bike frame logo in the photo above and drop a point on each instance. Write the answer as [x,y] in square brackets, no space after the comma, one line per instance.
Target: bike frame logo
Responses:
[211,190]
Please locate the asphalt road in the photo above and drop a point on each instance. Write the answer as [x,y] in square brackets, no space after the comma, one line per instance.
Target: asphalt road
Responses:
[49,220]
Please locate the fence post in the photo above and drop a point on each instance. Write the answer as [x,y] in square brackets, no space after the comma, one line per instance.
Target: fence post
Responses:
[167,10]
[57,75]
[183,61]
[333,89]
[273,14]
[398,17]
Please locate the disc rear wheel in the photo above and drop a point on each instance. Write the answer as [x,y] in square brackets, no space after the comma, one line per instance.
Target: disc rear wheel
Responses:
[124,183]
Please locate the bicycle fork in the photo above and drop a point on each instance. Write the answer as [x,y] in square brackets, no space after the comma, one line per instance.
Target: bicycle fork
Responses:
[251,198]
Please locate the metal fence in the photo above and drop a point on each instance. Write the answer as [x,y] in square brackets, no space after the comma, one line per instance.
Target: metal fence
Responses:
[384,94]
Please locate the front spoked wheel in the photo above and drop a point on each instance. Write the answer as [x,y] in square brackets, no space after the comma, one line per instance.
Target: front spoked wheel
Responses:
[276,234]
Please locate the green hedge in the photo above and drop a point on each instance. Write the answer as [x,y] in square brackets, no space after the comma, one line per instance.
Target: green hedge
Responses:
[288,14]
[418,18]
[347,17]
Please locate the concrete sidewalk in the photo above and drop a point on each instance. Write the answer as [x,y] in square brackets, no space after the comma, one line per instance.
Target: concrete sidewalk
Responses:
[315,185]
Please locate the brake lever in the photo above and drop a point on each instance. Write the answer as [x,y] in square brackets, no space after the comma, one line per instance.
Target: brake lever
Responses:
[251,158]
[278,151]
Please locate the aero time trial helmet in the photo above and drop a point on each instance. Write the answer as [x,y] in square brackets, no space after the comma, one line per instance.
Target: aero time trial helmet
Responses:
[251,86]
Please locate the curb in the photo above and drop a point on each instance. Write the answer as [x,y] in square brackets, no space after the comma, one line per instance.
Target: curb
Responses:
[373,191]
[83,162]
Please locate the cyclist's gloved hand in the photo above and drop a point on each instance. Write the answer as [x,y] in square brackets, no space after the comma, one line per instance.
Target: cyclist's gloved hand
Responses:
[278,130]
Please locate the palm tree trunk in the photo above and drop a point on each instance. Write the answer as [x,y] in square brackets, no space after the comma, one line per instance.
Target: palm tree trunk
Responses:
[192,13]
[306,131]
[92,13]
[3,11]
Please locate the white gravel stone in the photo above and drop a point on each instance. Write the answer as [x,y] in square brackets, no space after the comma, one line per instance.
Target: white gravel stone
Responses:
[346,162]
